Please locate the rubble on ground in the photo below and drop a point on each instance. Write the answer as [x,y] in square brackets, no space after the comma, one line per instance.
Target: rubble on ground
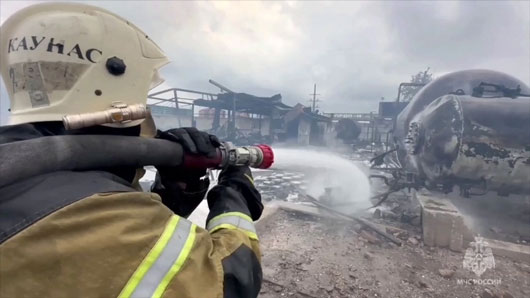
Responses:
[325,255]
[320,256]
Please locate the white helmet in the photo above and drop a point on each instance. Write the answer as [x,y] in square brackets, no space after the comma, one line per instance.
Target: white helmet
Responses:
[60,59]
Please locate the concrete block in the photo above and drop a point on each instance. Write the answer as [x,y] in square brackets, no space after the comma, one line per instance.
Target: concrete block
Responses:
[442,224]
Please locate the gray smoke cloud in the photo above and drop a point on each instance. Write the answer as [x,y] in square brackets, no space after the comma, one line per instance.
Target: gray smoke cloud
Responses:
[356,52]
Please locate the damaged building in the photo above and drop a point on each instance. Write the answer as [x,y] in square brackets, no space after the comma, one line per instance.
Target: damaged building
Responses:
[240,117]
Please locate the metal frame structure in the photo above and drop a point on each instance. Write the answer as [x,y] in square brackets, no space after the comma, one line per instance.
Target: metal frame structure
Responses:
[233,102]
[407,85]
[175,99]
[227,99]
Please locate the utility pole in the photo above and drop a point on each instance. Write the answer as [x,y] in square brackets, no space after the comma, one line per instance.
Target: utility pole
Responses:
[314,100]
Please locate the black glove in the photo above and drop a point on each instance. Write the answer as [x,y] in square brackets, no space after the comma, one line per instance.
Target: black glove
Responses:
[192,140]
[240,178]
[180,197]
[182,190]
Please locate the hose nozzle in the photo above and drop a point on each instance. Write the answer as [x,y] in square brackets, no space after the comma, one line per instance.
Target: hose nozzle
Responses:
[259,156]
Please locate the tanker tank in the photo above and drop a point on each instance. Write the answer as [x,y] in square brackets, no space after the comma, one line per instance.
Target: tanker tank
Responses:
[474,141]
[469,128]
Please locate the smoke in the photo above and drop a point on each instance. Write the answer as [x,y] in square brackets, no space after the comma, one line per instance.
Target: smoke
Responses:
[348,187]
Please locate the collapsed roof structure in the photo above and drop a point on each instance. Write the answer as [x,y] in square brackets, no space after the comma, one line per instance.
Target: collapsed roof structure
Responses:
[274,120]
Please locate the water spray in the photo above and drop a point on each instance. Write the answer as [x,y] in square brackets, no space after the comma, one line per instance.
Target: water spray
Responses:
[324,169]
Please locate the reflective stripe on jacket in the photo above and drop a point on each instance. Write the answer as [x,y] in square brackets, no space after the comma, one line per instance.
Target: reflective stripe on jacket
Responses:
[120,243]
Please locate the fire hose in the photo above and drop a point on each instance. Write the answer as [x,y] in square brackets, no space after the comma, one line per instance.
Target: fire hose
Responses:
[24,159]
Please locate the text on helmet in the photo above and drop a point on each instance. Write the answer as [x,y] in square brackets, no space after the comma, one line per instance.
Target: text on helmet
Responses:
[32,43]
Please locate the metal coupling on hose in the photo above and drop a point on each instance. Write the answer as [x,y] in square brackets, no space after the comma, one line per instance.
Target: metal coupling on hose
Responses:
[260,156]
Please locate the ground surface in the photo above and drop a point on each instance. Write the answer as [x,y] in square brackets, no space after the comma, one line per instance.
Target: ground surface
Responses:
[308,256]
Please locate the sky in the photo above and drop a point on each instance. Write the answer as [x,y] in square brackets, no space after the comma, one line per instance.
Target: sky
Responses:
[356,52]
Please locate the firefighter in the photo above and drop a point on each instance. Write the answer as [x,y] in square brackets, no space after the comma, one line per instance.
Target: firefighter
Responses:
[94,233]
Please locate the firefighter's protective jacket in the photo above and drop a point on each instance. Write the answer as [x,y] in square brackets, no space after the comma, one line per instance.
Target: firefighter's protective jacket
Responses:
[91,234]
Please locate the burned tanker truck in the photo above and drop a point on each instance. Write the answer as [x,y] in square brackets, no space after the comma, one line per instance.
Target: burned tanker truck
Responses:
[469,129]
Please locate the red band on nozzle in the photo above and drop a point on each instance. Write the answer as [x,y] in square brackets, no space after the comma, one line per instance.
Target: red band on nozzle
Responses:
[268,156]
[202,162]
